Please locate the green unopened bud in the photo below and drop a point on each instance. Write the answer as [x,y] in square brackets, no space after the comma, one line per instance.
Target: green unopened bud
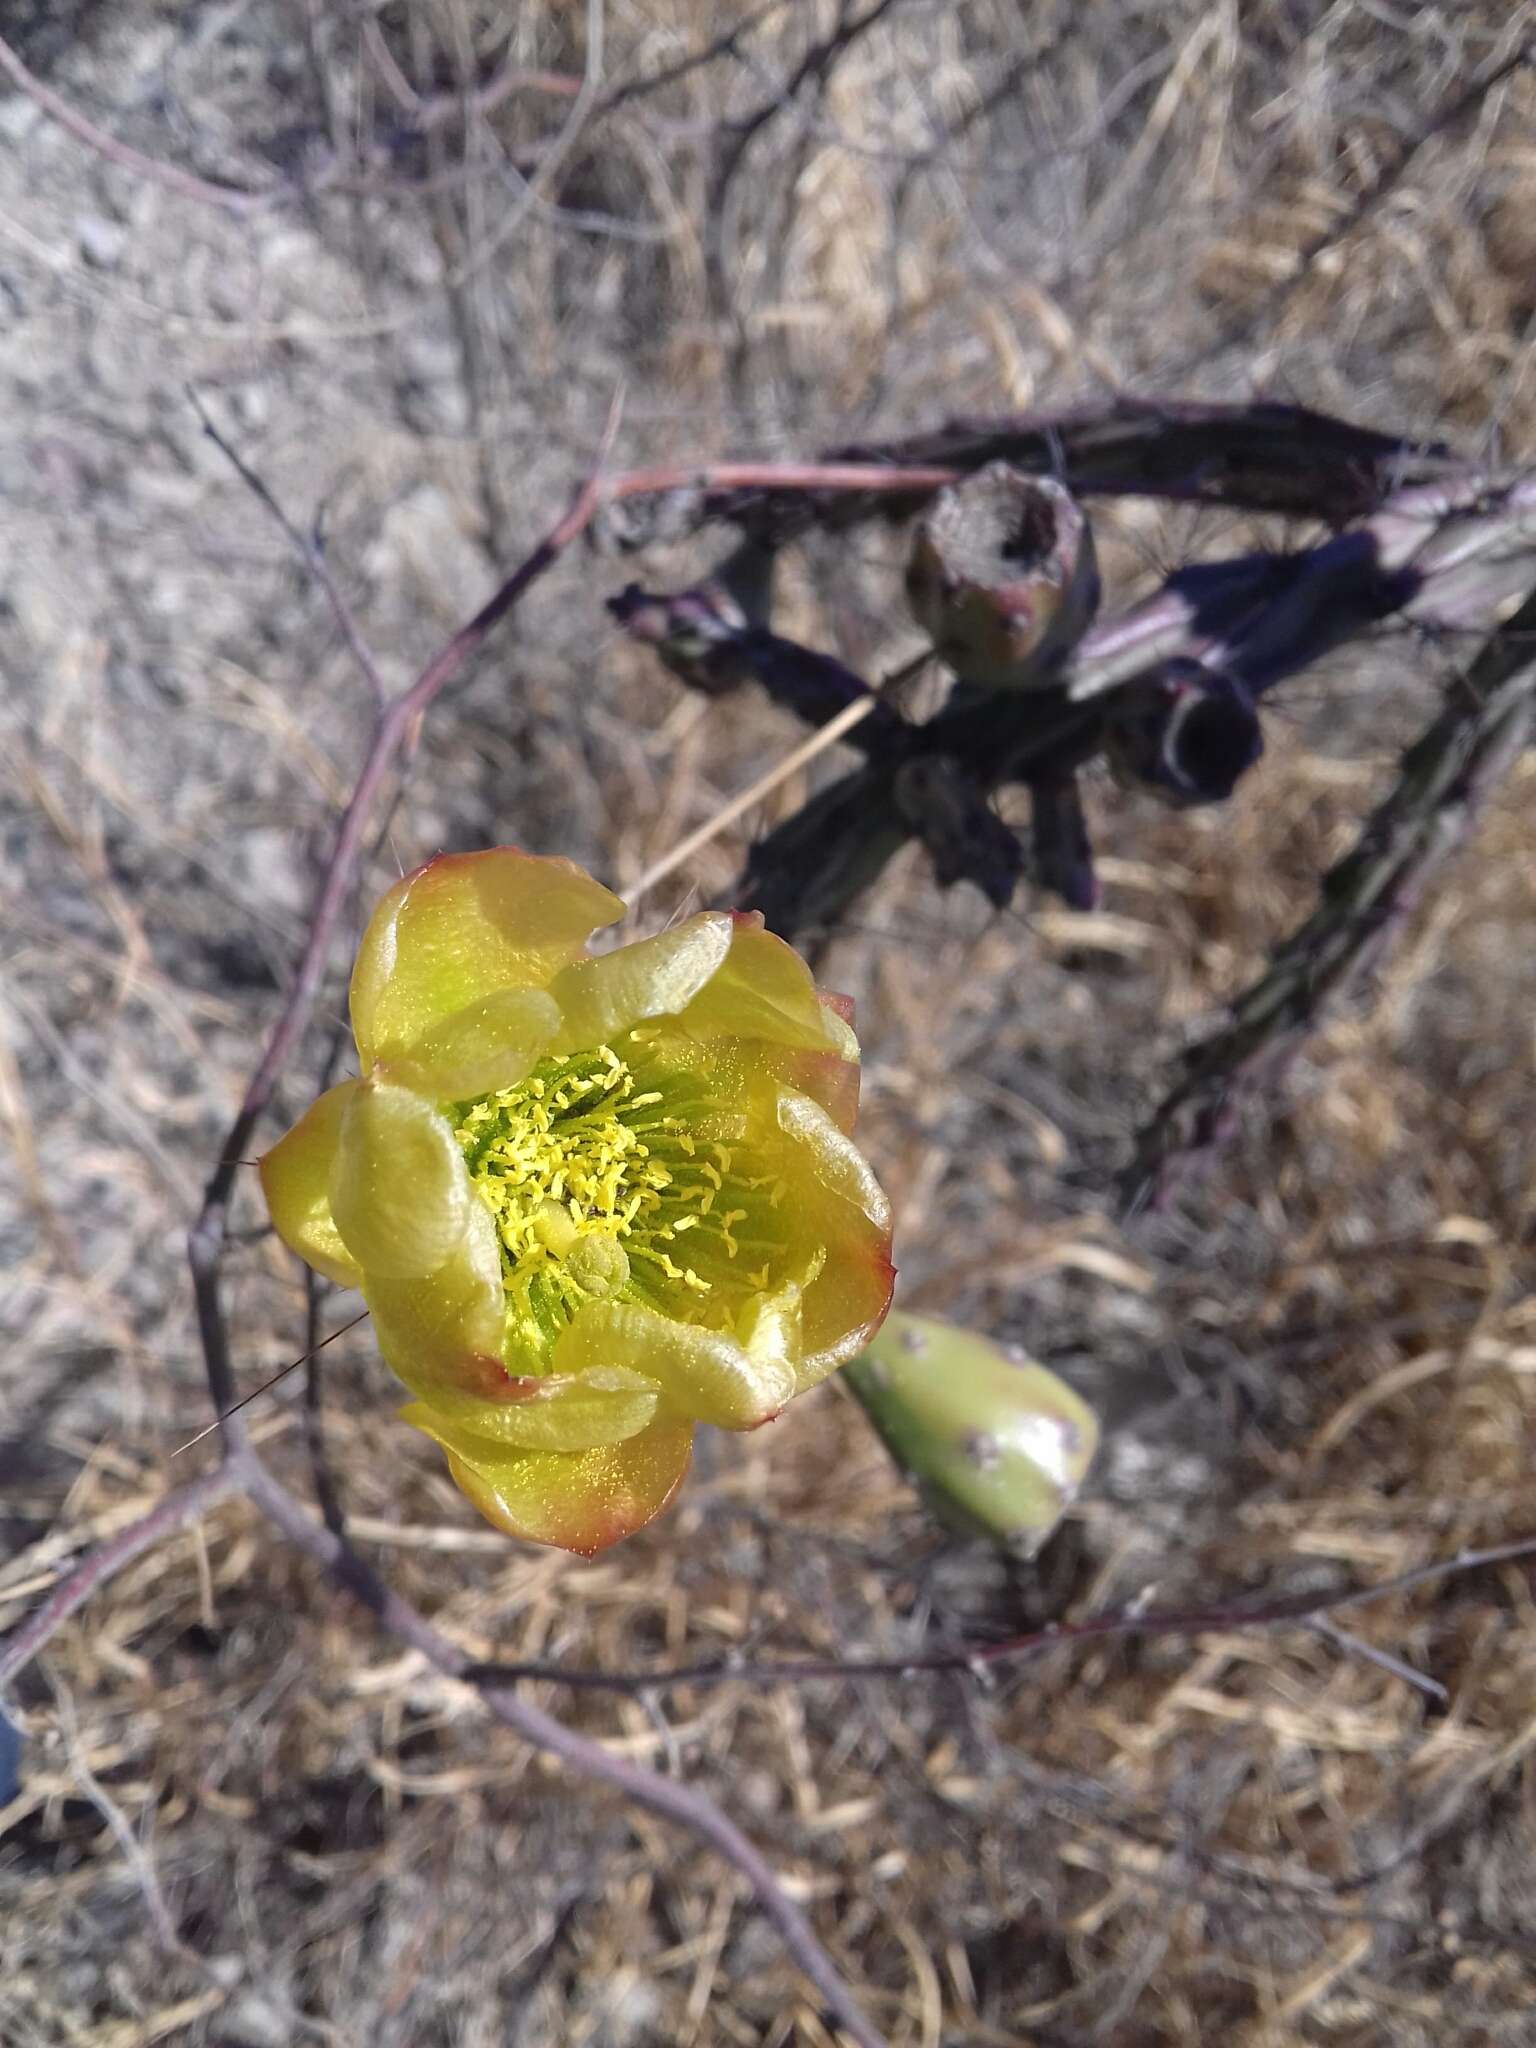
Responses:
[998,1445]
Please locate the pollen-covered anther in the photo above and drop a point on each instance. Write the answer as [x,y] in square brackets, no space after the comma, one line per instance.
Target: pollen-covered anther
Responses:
[573,1164]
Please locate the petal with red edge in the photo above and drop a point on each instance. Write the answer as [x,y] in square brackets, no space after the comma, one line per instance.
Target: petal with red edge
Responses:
[844,1307]
[581,1500]
[400,1192]
[838,1162]
[564,1412]
[493,1043]
[764,990]
[656,977]
[704,1373]
[832,1083]
[296,1180]
[463,927]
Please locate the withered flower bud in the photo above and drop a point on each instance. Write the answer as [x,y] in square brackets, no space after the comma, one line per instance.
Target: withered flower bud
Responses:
[1002,577]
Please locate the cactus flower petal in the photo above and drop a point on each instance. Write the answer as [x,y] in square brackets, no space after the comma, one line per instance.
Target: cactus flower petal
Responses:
[489,1044]
[448,1335]
[838,1163]
[399,1192]
[601,998]
[462,927]
[590,1202]
[703,1373]
[296,1180]
[764,991]
[561,1412]
[582,1501]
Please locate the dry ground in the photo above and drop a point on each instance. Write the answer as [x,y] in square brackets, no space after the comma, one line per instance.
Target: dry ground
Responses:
[1320,1364]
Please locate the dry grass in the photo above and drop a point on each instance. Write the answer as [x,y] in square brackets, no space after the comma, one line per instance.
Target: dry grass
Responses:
[1322,1364]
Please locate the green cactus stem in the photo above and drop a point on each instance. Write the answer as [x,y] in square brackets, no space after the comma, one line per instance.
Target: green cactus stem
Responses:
[997,1444]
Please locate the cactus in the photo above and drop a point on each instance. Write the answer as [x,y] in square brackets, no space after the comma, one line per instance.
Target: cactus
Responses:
[997,1444]
[1002,577]
[1185,732]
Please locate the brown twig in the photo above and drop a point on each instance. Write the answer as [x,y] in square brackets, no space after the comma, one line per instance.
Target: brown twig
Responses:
[232,198]
[310,550]
[178,1509]
[133,1851]
[429,111]
[726,44]
[731,141]
[1365,204]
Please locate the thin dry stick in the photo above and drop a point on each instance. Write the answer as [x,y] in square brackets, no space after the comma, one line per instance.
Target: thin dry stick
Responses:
[178,1509]
[1290,1610]
[310,550]
[1305,261]
[824,737]
[134,1853]
[232,198]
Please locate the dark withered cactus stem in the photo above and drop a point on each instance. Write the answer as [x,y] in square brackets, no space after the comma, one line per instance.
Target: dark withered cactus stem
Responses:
[1166,688]
[705,639]
[1002,577]
[1186,732]
[696,632]
[966,840]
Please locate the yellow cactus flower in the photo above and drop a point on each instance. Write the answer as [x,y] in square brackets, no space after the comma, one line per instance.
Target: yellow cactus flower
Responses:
[590,1200]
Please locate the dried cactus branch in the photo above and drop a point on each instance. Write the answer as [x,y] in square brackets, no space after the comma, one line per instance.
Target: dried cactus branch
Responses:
[1446,777]
[703,637]
[1451,555]
[1262,457]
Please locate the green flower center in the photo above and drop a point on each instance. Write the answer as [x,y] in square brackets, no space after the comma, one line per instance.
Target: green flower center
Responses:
[614,1177]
